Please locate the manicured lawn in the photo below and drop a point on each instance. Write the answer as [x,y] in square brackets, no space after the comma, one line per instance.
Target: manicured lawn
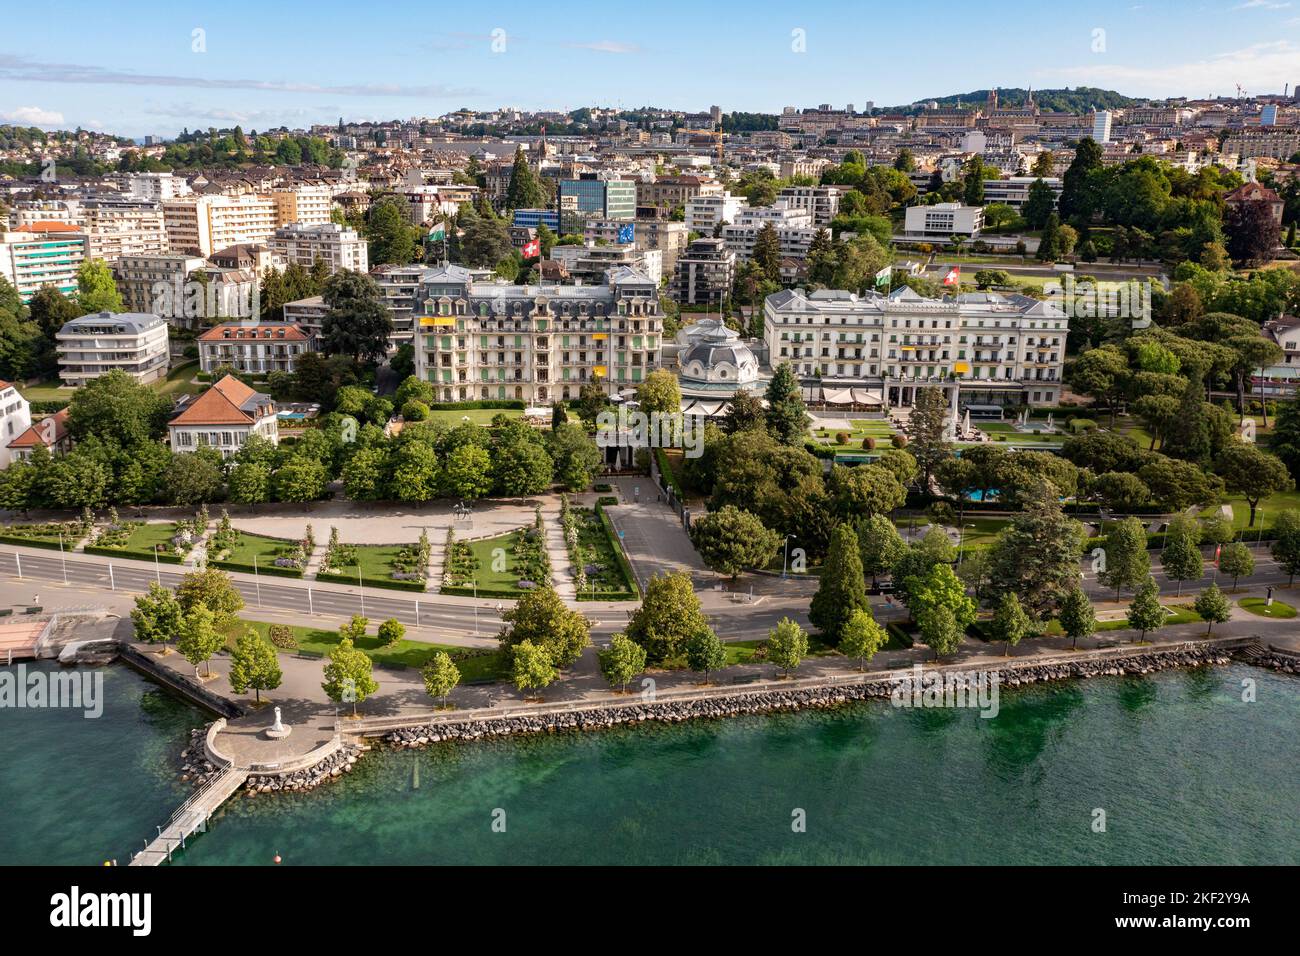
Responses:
[747,652]
[1182,614]
[1005,431]
[257,551]
[176,382]
[857,429]
[1278,609]
[478,416]
[143,541]
[596,549]
[980,532]
[407,653]
[488,551]
[1267,512]
[498,565]
[377,563]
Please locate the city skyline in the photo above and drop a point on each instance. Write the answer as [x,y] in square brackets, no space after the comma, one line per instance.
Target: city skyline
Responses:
[267,67]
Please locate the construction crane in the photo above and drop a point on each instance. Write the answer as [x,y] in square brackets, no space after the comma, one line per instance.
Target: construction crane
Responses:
[1241,92]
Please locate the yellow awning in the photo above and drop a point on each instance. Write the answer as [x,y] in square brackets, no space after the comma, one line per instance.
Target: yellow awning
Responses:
[600,336]
[600,371]
[961,368]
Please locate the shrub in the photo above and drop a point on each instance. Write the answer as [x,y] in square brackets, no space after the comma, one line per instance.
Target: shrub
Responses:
[868,443]
[898,441]
[281,635]
[841,438]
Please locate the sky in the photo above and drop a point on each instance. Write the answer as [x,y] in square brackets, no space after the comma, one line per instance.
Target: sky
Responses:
[145,67]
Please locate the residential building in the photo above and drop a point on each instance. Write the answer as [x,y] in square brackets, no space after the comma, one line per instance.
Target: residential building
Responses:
[254,348]
[337,246]
[133,342]
[307,205]
[705,273]
[308,314]
[1014,190]
[669,192]
[879,350]
[224,417]
[794,230]
[202,225]
[15,419]
[145,281]
[122,227]
[703,213]
[537,343]
[821,202]
[1253,192]
[599,198]
[1274,142]
[1101,120]
[50,433]
[42,253]
[590,261]
[399,285]
[942,221]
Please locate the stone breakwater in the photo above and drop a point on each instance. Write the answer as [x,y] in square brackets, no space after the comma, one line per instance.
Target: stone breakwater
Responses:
[196,768]
[1278,661]
[335,765]
[770,701]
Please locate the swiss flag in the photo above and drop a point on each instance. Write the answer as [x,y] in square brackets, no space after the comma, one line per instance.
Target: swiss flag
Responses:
[953,277]
[533,250]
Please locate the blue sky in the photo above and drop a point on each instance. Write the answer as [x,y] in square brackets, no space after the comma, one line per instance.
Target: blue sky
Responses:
[132,68]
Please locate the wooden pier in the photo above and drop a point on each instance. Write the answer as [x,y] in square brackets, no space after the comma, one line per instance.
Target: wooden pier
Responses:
[191,817]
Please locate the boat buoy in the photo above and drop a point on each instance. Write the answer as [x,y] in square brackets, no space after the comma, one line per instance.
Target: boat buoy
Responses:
[276,859]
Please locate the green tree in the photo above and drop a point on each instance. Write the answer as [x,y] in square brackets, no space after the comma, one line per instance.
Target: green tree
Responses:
[249,483]
[253,663]
[525,190]
[862,637]
[1038,556]
[441,675]
[364,474]
[96,289]
[531,668]
[540,618]
[864,490]
[1181,557]
[300,479]
[731,539]
[157,615]
[1252,473]
[576,457]
[522,468]
[622,661]
[415,475]
[1078,618]
[1010,622]
[1213,606]
[213,589]
[348,677]
[1286,546]
[787,415]
[940,630]
[787,645]
[879,545]
[767,252]
[660,393]
[668,617]
[199,637]
[192,478]
[468,472]
[391,632]
[842,587]
[928,431]
[357,322]
[114,407]
[940,587]
[1127,561]
[1146,613]
[1236,561]
[705,652]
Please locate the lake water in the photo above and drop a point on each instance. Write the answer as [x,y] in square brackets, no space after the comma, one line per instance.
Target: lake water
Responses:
[1184,771]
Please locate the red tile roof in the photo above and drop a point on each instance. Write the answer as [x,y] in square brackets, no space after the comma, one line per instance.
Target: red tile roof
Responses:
[219,405]
[233,331]
[47,432]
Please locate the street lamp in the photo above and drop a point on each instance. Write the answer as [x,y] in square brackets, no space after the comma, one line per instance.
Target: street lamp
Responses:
[961,541]
[785,560]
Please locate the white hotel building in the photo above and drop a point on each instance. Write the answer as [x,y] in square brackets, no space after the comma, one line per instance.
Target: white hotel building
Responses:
[878,350]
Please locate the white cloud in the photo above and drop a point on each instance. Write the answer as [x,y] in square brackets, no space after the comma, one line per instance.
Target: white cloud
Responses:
[607,46]
[1261,67]
[1261,5]
[33,116]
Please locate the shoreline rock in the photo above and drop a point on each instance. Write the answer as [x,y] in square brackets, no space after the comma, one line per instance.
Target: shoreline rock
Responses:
[332,767]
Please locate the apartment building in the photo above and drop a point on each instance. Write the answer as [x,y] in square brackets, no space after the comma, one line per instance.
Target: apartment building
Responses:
[202,225]
[538,343]
[943,220]
[308,205]
[821,202]
[994,349]
[144,280]
[254,348]
[703,213]
[669,192]
[590,262]
[794,230]
[1272,142]
[1014,190]
[705,273]
[308,314]
[337,246]
[224,417]
[123,227]
[15,419]
[399,285]
[42,253]
[93,345]
[594,198]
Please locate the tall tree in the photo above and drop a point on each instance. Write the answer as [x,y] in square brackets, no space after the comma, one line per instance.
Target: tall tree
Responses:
[1146,613]
[622,661]
[862,637]
[842,588]
[541,618]
[928,428]
[1010,622]
[1236,561]
[348,677]
[879,545]
[1127,561]
[1252,473]
[1038,556]
[253,663]
[668,617]
[357,322]
[731,539]
[1078,618]
[525,190]
[96,289]
[787,645]
[1213,606]
[1181,557]
[787,415]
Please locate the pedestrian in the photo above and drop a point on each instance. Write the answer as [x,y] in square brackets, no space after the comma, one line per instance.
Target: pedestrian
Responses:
[36,600]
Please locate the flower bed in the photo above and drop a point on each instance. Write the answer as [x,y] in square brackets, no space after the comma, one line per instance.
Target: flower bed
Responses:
[45,535]
[253,553]
[601,571]
[403,567]
[503,567]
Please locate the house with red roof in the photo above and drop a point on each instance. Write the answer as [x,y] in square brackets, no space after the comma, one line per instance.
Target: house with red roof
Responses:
[50,433]
[15,419]
[254,348]
[224,417]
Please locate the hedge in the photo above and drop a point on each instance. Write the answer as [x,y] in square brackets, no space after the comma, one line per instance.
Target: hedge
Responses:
[511,403]
[133,555]
[35,542]
[259,569]
[47,406]
[510,593]
[666,471]
[372,582]
[624,565]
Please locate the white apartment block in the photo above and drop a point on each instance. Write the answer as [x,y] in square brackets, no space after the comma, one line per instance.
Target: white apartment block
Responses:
[145,280]
[116,228]
[536,343]
[93,345]
[15,418]
[337,246]
[994,349]
[154,187]
[703,213]
[306,204]
[202,225]
[1014,191]
[942,221]
[794,230]
[822,202]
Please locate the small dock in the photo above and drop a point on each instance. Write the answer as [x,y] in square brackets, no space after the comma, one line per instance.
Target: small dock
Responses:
[191,817]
